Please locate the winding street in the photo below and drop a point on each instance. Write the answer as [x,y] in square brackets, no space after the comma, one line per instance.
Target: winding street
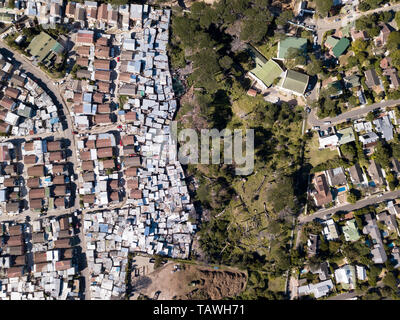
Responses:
[323,25]
[354,114]
[44,81]
[391,195]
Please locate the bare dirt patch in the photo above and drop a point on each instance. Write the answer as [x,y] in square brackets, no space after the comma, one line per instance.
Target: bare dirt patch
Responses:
[192,282]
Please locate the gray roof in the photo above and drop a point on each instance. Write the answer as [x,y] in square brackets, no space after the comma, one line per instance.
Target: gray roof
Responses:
[375,172]
[371,78]
[356,174]
[369,137]
[385,127]
[337,176]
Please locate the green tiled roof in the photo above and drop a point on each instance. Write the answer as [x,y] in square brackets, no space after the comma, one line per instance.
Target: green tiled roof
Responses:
[350,231]
[267,72]
[43,46]
[295,81]
[291,42]
[346,135]
[340,47]
[331,41]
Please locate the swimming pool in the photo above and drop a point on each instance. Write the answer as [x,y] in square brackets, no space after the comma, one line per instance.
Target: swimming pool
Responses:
[341,189]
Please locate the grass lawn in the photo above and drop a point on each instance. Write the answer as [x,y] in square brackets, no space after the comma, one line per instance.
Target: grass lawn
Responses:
[248,190]
[268,50]
[316,156]
[276,284]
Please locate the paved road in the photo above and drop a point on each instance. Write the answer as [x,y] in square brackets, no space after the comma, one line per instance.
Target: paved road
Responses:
[313,120]
[67,134]
[323,25]
[391,195]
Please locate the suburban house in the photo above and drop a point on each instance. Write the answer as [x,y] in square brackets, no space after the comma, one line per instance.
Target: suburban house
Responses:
[322,194]
[389,220]
[383,36]
[350,231]
[266,71]
[318,290]
[372,80]
[312,244]
[375,172]
[337,177]
[384,126]
[337,46]
[345,135]
[294,82]
[346,276]
[290,43]
[330,230]
[371,229]
[356,175]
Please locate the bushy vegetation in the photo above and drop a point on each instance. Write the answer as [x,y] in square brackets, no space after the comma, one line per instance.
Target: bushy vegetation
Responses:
[250,217]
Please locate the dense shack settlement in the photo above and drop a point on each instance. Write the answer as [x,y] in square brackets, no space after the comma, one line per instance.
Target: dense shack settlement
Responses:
[94,203]
[88,180]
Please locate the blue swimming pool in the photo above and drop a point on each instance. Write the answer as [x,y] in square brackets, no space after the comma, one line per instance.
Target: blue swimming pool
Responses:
[341,189]
[391,245]
[372,184]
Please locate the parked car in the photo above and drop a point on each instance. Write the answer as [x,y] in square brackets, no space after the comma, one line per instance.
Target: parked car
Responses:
[327,122]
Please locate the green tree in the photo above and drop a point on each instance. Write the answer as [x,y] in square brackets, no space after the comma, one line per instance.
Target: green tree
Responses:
[323,7]
[397,18]
[390,280]
[370,116]
[284,17]
[349,151]
[352,196]
[314,66]
[359,45]
[393,41]
[282,194]
[255,26]
[226,62]
[373,274]
[382,154]
[334,246]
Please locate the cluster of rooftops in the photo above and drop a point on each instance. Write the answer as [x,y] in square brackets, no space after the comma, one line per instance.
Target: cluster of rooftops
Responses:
[39,260]
[90,14]
[380,253]
[111,234]
[25,108]
[35,175]
[132,189]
